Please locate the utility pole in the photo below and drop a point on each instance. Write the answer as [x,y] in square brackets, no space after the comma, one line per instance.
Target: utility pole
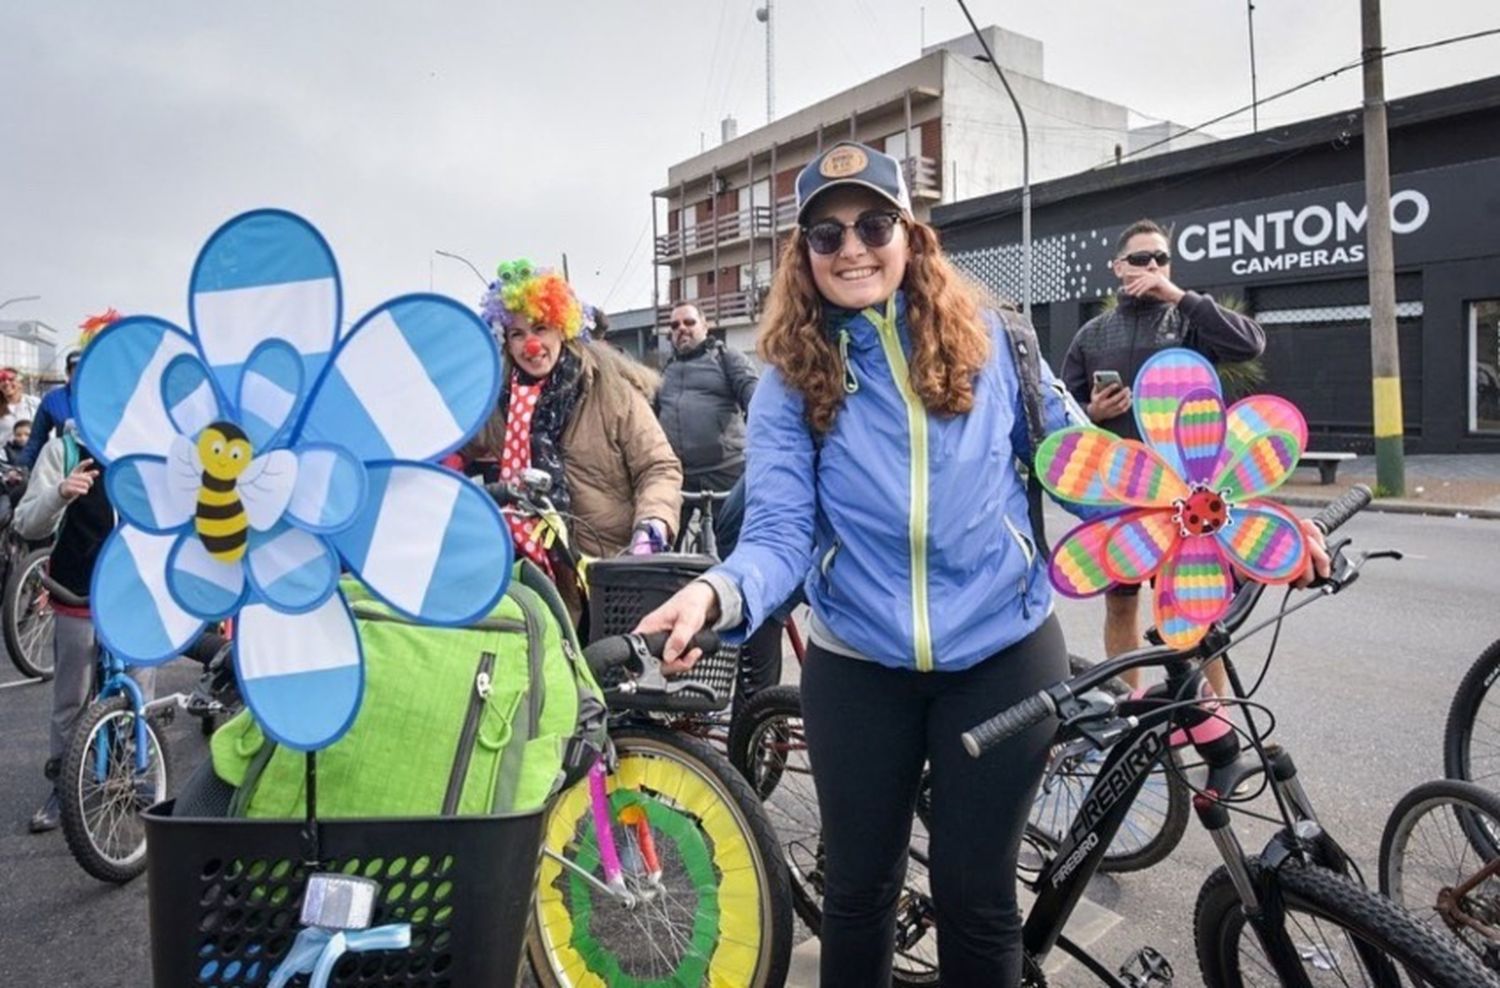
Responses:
[1385,357]
[1254,95]
[765,15]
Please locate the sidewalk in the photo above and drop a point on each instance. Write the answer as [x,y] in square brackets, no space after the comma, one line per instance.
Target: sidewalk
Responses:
[1464,486]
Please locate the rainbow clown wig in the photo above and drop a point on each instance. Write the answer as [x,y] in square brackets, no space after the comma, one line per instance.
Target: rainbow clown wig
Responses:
[540,294]
[92,326]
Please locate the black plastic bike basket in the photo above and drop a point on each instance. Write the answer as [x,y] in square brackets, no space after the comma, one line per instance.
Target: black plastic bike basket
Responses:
[226,896]
[624,589]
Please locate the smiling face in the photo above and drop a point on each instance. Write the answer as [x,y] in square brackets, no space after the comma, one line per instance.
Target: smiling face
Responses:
[534,349]
[224,450]
[10,385]
[856,275]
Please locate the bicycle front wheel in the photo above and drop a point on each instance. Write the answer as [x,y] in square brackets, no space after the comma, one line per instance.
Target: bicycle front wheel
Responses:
[108,777]
[720,912]
[27,619]
[1425,857]
[1342,932]
[1471,738]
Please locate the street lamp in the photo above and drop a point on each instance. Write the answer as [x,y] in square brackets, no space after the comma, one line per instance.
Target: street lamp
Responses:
[465,261]
[20,298]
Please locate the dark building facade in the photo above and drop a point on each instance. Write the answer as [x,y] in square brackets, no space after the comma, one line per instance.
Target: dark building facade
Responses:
[1276,221]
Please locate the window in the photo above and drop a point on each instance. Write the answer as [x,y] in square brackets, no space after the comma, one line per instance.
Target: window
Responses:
[1484,366]
[895,145]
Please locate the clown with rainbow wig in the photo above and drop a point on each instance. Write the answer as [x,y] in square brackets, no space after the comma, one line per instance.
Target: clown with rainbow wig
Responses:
[579,410]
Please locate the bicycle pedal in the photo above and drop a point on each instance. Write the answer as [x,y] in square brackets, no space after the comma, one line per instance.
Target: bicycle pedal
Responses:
[1145,968]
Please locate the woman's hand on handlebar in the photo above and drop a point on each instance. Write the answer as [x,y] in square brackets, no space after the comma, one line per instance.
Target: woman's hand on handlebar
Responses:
[1319,565]
[688,612]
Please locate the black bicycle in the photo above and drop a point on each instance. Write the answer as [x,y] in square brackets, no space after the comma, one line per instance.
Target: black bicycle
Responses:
[1296,913]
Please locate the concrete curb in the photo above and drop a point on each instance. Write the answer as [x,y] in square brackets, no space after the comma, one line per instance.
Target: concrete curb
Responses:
[1395,507]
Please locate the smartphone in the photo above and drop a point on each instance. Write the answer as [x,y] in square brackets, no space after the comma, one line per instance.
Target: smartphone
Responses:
[1106,378]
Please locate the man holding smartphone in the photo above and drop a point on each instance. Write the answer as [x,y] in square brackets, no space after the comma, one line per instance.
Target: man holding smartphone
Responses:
[1151,314]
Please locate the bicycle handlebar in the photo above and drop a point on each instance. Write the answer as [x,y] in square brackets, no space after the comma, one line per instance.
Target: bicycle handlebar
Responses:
[630,651]
[61,593]
[1351,503]
[1043,704]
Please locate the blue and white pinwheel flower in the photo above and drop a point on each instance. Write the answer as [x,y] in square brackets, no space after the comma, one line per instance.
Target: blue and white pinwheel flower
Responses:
[253,458]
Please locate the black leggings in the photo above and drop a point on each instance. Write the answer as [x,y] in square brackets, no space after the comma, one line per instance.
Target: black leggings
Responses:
[870,730]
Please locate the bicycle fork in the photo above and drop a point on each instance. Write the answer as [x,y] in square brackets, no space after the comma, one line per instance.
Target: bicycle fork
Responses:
[1258,890]
[640,848]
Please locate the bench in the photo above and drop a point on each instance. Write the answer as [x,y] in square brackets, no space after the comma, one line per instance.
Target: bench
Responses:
[1327,464]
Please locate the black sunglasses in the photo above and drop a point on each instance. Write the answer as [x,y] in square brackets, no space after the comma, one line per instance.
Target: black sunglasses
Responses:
[1141,258]
[679,323]
[874,229]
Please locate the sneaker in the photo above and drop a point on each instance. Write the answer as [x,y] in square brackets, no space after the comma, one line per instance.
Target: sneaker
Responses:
[49,816]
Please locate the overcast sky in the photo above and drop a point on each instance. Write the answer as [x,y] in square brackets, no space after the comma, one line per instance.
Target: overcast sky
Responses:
[130,130]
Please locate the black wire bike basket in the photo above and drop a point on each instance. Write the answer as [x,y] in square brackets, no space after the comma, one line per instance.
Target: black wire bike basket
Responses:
[624,589]
[225,896]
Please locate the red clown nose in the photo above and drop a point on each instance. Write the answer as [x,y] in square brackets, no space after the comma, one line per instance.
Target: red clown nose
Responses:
[532,348]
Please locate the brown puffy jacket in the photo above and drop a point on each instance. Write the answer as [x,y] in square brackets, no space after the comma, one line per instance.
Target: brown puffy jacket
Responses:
[620,468]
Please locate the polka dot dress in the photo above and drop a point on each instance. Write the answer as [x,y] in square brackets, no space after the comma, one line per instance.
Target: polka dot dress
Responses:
[515,457]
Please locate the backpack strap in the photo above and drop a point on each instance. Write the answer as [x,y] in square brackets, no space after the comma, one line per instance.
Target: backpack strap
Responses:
[70,453]
[1025,352]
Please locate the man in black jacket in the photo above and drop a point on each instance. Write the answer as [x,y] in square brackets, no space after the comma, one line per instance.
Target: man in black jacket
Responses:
[705,393]
[1152,313]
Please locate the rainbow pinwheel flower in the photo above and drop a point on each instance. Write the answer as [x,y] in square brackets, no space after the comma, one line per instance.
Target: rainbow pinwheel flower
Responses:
[1190,496]
[256,457]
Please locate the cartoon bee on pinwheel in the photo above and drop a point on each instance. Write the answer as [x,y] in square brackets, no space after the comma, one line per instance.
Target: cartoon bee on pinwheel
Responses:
[257,457]
[1191,509]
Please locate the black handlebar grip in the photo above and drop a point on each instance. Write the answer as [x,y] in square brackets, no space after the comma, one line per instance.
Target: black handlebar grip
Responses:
[1353,501]
[617,650]
[1030,711]
[61,593]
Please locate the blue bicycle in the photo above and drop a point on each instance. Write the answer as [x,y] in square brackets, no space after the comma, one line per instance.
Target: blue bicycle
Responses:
[117,762]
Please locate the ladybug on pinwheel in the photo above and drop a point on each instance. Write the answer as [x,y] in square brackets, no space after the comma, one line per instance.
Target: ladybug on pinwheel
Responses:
[1190,508]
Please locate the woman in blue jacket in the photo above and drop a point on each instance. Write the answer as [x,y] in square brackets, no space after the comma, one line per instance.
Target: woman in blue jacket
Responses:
[881,473]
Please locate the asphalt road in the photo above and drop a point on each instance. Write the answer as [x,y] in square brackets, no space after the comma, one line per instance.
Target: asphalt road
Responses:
[1361,685]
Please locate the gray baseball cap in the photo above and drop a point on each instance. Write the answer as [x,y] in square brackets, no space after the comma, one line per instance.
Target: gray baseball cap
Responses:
[849,163]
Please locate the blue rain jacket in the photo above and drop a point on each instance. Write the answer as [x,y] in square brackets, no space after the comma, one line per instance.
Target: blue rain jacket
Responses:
[909,531]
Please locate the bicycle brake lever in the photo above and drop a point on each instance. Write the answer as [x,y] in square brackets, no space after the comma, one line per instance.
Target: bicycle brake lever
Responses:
[646,675]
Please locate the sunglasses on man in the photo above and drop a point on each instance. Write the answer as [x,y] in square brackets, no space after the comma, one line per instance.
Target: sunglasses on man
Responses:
[688,322]
[874,229]
[1142,258]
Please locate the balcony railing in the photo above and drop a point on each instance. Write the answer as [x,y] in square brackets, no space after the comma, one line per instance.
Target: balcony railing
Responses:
[721,310]
[727,229]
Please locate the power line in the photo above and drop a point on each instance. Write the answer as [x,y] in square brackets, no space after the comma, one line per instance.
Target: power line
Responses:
[625,269]
[1299,87]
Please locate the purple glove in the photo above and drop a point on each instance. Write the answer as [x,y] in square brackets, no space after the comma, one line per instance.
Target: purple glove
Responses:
[650,537]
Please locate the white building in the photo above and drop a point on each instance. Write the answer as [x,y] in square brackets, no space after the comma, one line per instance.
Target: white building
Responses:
[723,213]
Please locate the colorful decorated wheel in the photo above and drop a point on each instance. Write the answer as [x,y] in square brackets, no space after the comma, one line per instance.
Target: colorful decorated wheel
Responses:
[720,913]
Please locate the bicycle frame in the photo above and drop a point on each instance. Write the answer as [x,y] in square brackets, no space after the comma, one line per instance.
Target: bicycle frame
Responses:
[1147,724]
[113,680]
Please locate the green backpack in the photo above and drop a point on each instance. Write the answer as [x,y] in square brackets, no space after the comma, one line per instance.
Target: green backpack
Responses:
[495,717]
